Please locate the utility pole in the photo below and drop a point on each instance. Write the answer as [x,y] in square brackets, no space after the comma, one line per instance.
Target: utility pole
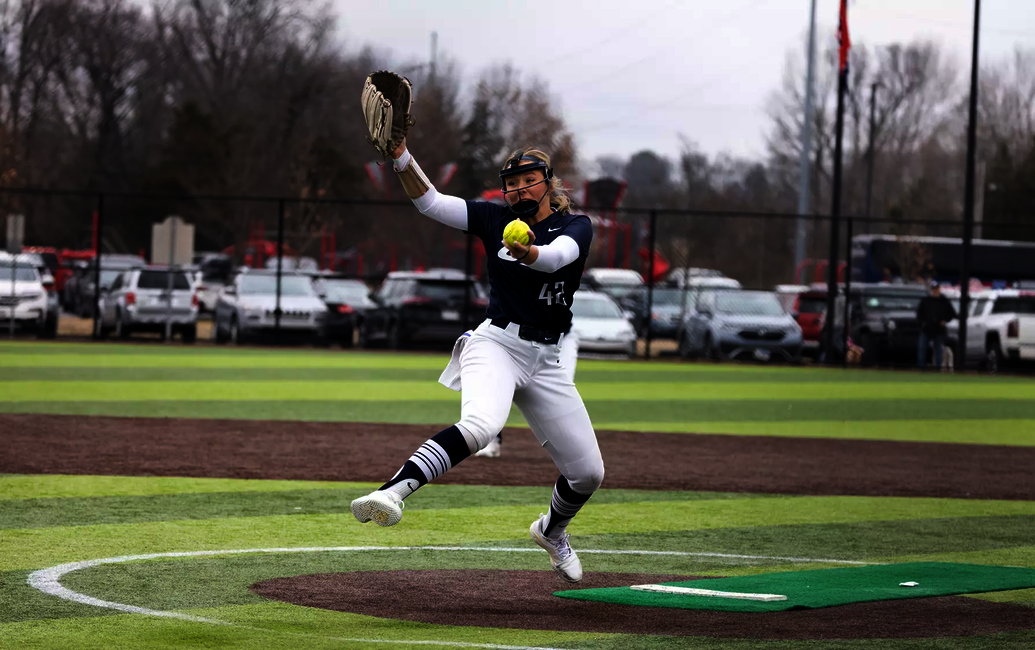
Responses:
[870,152]
[835,210]
[968,199]
[804,164]
[434,53]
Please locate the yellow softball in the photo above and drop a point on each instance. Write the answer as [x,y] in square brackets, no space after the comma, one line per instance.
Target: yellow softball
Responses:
[516,232]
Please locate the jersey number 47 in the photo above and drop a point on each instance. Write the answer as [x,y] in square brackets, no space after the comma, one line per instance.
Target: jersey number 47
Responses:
[557,296]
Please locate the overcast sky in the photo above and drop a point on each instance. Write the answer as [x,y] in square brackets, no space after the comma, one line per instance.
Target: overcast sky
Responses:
[634,75]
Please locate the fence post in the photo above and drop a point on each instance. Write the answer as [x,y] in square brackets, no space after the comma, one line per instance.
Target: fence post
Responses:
[846,324]
[98,229]
[650,277]
[280,267]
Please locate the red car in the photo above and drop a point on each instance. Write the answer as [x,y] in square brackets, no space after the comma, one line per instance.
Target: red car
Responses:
[808,311]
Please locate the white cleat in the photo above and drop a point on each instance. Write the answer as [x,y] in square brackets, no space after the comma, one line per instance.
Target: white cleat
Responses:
[563,559]
[492,450]
[385,508]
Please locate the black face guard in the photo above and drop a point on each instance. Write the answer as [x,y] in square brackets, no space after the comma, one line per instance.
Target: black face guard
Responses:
[519,165]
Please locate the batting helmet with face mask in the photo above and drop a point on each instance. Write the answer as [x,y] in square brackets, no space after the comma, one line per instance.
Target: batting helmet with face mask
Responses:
[521,164]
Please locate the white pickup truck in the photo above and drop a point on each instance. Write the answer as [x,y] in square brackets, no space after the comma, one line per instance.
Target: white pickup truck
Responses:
[1000,328]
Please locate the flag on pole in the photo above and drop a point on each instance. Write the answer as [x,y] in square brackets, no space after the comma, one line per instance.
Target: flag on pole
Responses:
[844,42]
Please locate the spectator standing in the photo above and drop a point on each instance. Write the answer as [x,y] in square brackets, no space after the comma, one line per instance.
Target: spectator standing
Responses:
[933,313]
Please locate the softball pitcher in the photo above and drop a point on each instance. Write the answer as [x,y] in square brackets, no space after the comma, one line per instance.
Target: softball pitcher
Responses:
[518,354]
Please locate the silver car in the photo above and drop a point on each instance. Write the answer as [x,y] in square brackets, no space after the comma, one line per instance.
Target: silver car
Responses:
[600,325]
[741,325]
[246,309]
[140,300]
[27,300]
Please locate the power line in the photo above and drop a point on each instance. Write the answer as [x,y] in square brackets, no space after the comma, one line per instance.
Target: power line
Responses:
[964,26]
[709,27]
[626,30]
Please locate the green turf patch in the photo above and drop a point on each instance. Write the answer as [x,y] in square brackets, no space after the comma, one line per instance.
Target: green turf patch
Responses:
[824,587]
[864,541]
[260,372]
[671,412]
[48,512]
[43,486]
[630,391]
[469,526]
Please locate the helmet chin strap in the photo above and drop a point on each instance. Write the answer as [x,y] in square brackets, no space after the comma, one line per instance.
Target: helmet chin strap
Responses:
[531,207]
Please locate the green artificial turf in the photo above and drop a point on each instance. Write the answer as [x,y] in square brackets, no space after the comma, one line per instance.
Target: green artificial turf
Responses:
[48,520]
[49,512]
[664,396]
[819,588]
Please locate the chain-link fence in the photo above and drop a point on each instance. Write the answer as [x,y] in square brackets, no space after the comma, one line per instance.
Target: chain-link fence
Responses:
[697,283]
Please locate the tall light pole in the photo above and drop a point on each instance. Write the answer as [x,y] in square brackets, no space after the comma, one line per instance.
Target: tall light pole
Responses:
[968,194]
[870,151]
[804,166]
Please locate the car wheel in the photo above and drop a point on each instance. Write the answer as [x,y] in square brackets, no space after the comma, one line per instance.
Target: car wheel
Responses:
[100,332]
[686,351]
[121,328]
[993,357]
[395,337]
[710,351]
[217,332]
[631,352]
[190,333]
[869,346]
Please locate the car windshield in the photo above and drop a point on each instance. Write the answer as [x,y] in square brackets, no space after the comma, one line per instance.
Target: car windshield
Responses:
[346,291]
[107,276]
[671,297]
[812,304]
[290,285]
[891,302]
[595,308]
[748,304]
[160,280]
[446,289]
[21,273]
[619,291]
[1020,305]
[51,260]
[610,279]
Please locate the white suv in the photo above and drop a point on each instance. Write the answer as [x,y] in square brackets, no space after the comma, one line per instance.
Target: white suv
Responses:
[139,300]
[25,299]
[1000,328]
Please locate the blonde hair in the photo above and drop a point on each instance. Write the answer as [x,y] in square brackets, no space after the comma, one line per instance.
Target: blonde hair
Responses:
[558,196]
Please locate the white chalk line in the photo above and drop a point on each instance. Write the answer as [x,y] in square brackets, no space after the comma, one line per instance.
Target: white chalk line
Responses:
[48,580]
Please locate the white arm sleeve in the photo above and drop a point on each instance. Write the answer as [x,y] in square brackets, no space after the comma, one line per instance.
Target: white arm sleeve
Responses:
[557,254]
[445,209]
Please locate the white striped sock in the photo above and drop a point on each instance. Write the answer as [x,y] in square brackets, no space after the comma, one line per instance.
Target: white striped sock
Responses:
[560,515]
[432,459]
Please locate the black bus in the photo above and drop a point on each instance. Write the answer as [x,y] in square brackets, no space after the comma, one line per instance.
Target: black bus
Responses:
[906,258]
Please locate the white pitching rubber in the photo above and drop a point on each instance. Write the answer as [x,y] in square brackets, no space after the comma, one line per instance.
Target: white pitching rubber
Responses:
[687,591]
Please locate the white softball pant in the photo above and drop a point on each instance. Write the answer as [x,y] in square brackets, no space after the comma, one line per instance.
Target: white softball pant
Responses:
[497,368]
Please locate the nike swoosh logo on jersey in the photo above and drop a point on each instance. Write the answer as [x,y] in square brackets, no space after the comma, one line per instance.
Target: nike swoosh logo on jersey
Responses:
[553,229]
[504,254]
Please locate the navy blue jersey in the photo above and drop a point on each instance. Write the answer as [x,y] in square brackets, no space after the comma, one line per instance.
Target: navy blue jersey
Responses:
[520,294]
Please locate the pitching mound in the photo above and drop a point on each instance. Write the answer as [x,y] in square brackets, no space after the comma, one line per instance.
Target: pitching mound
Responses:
[525,600]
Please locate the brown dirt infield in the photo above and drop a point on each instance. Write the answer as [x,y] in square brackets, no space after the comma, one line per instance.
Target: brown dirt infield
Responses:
[46,444]
[524,600]
[54,444]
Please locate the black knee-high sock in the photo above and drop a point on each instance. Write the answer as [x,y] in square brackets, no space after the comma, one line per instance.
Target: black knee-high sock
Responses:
[435,457]
[564,505]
